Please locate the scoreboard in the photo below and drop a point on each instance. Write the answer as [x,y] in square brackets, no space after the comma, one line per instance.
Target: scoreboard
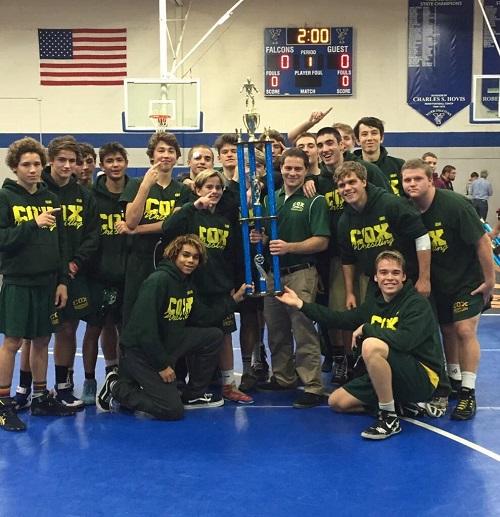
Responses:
[306,61]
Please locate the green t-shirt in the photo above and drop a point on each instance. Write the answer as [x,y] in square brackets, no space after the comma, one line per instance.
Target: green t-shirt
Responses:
[300,218]
[454,229]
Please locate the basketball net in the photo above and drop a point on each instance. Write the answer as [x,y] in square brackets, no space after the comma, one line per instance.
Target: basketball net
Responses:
[160,122]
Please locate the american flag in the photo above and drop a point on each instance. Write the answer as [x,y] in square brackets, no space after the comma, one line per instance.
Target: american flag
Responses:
[75,57]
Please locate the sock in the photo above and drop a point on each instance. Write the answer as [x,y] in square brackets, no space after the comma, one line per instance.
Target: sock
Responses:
[25,379]
[454,371]
[247,364]
[111,364]
[89,375]
[227,377]
[61,374]
[387,406]
[469,380]
[39,388]
[5,392]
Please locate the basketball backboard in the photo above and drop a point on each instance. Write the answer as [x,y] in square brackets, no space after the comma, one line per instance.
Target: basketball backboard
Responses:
[485,107]
[177,98]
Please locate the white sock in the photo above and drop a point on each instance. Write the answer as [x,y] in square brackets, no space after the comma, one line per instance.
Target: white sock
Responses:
[387,406]
[454,371]
[227,377]
[469,380]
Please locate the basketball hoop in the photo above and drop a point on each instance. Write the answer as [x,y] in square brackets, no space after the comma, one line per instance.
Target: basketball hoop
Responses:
[160,122]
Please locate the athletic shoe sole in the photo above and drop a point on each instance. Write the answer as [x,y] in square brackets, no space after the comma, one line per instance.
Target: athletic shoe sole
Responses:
[217,403]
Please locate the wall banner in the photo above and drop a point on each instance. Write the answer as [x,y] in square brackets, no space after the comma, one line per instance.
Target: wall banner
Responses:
[491,59]
[439,57]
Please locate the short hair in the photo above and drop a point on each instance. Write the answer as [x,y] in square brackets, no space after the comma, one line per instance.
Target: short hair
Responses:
[447,169]
[24,145]
[64,143]
[174,248]
[370,122]
[86,149]
[474,174]
[203,176]
[225,139]
[417,163]
[200,146]
[428,154]
[348,168]
[346,128]
[166,138]
[483,173]
[296,153]
[391,255]
[305,134]
[273,134]
[112,148]
[329,130]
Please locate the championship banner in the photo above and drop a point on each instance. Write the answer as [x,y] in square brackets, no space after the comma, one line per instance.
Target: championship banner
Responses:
[439,57]
[491,59]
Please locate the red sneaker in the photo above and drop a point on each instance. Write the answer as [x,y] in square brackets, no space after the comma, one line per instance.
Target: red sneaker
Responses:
[232,393]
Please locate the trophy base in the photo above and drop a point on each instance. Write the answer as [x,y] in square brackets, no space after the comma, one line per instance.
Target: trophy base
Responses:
[264,294]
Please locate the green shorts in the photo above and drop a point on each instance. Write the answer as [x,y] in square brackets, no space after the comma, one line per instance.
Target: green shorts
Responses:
[27,311]
[78,305]
[410,382]
[228,324]
[106,301]
[456,307]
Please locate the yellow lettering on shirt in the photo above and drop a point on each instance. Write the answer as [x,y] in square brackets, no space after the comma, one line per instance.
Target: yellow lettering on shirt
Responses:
[214,237]
[438,241]
[385,323]
[23,214]
[394,182]
[371,237]
[334,201]
[178,309]
[108,223]
[72,215]
[156,210]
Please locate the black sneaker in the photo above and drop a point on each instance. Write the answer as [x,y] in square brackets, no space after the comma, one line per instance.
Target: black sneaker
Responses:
[327,365]
[261,372]
[22,398]
[308,400]
[274,385]
[207,400]
[456,386]
[103,399]
[9,421]
[340,372]
[386,425]
[64,394]
[466,407]
[411,410]
[248,382]
[47,405]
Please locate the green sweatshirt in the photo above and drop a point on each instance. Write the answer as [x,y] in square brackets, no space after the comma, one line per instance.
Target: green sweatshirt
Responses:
[30,255]
[391,167]
[108,264]
[385,222]
[80,219]
[167,302]
[217,233]
[406,323]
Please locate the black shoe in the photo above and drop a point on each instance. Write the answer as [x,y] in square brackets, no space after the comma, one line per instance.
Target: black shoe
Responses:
[64,394]
[386,425]
[274,385]
[466,407]
[410,409]
[326,367]
[308,400]
[261,372]
[456,386]
[207,400]
[340,371]
[47,405]
[248,382]
[103,399]
[9,421]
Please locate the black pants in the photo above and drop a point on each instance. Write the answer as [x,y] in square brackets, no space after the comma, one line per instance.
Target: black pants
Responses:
[481,206]
[141,388]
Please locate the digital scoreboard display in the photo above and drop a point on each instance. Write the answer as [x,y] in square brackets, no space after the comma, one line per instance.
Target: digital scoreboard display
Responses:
[308,61]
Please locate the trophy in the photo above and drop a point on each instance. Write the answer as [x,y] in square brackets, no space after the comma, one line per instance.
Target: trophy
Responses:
[251,119]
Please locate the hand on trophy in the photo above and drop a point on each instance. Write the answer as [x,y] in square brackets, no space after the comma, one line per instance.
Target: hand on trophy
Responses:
[240,294]
[256,236]
[289,297]
[279,247]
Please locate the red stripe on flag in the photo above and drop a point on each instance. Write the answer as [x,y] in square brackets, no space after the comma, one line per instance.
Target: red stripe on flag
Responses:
[90,38]
[81,83]
[110,56]
[83,65]
[99,31]
[83,74]
[99,49]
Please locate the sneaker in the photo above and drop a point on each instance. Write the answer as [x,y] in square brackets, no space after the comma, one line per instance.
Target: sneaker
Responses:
[64,394]
[104,397]
[466,407]
[340,372]
[261,372]
[248,382]
[47,405]
[274,385]
[308,400]
[327,365]
[436,407]
[386,425]
[207,400]
[232,393]
[89,392]
[411,410]
[456,386]
[9,421]
[22,398]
